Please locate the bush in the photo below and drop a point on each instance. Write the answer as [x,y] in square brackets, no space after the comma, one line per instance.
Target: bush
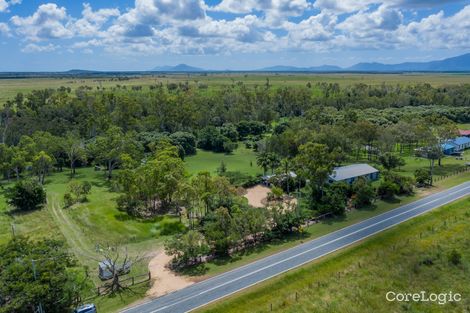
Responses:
[276,193]
[168,228]
[68,200]
[405,184]
[455,257]
[364,193]
[77,192]
[387,189]
[26,195]
[423,177]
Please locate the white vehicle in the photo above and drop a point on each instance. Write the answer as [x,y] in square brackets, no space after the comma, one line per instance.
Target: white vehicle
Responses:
[86,308]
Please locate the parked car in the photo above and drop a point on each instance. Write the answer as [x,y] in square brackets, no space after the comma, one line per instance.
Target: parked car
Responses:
[86,308]
[105,269]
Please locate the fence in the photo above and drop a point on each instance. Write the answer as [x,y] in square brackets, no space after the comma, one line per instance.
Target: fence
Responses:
[459,170]
[127,282]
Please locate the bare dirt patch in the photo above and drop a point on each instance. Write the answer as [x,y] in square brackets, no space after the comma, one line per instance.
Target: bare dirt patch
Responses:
[164,280]
[257,195]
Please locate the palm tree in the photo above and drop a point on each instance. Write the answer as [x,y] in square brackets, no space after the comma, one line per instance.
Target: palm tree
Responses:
[273,161]
[285,165]
[263,161]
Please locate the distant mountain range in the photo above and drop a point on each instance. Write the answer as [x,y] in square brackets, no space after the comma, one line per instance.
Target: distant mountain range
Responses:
[455,64]
[178,68]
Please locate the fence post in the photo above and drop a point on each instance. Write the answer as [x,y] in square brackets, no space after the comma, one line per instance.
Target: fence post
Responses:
[133,281]
[150,275]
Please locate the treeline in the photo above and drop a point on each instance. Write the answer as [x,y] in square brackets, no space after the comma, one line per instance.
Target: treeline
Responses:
[164,109]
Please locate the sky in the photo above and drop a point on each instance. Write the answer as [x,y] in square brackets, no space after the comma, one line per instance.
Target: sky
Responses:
[135,35]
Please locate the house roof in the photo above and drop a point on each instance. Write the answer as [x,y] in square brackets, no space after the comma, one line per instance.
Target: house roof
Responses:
[449,145]
[461,140]
[464,132]
[351,171]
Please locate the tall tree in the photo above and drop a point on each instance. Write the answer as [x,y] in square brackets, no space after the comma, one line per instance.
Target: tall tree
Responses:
[263,161]
[112,146]
[37,274]
[42,163]
[315,164]
[74,148]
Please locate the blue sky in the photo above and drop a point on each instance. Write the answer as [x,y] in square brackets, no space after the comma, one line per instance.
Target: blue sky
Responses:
[60,35]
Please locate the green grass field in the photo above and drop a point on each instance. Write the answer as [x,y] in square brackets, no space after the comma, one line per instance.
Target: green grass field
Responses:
[242,159]
[10,87]
[408,258]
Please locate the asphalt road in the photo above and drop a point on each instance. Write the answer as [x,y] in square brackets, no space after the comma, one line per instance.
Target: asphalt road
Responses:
[220,286]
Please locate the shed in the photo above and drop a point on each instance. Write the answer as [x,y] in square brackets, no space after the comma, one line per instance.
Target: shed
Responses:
[351,173]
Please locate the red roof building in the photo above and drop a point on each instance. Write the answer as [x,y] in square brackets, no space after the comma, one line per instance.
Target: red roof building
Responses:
[464,132]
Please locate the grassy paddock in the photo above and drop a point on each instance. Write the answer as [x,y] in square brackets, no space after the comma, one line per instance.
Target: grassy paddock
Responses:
[242,159]
[408,258]
[10,87]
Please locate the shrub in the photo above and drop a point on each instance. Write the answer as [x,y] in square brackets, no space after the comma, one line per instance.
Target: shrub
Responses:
[455,257]
[168,228]
[26,195]
[387,189]
[68,200]
[364,193]
[423,177]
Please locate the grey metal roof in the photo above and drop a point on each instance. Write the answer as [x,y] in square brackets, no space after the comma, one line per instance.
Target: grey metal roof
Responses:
[350,171]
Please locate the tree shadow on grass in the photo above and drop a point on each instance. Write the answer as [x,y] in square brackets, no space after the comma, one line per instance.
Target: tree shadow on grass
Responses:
[124,217]
[195,270]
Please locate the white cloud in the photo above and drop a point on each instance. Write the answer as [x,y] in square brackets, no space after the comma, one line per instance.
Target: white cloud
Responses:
[439,31]
[4,4]
[32,48]
[92,21]
[46,23]
[5,29]
[274,10]
[343,6]
[319,27]
[183,27]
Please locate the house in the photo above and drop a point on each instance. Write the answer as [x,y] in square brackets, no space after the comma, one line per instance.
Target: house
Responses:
[449,148]
[465,133]
[351,173]
[456,145]
[462,143]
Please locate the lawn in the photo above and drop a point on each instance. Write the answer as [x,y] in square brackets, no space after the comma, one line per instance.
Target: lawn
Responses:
[411,257]
[242,159]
